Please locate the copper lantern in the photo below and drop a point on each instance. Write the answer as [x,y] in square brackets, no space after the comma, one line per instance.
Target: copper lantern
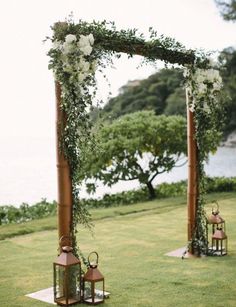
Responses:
[93,283]
[67,278]
[218,237]
[219,242]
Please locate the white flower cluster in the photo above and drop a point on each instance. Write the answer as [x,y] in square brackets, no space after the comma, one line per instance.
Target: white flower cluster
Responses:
[205,78]
[203,83]
[75,54]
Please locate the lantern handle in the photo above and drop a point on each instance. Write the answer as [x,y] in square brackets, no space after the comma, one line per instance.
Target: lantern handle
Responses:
[215,207]
[63,238]
[96,263]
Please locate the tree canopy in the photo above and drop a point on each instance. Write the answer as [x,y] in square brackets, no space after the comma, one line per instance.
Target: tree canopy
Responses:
[138,146]
[228,72]
[148,94]
[163,92]
[227,9]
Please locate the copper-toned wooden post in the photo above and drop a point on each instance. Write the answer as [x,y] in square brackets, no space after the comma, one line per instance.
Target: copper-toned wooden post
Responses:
[192,174]
[63,171]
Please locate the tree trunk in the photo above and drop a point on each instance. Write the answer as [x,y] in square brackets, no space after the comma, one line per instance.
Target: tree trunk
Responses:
[151,190]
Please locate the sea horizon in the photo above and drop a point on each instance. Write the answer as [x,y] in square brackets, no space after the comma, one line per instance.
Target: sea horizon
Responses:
[29,173]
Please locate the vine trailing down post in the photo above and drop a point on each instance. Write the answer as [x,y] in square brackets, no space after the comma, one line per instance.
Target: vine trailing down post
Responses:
[78,51]
[206,117]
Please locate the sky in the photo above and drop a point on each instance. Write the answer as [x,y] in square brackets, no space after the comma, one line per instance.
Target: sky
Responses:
[27,87]
[27,104]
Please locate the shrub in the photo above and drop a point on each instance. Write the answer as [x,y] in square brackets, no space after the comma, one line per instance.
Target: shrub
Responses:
[221,184]
[11,214]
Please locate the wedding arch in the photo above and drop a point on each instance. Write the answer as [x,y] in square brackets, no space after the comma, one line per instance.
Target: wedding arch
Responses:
[78,51]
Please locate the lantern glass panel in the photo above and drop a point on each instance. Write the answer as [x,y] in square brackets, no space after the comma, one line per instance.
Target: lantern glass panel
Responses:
[219,247]
[94,292]
[59,274]
[66,284]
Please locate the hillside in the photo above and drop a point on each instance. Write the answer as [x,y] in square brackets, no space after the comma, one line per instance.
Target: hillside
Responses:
[157,93]
[164,93]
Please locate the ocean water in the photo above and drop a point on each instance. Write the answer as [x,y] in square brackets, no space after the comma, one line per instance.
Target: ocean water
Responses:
[28,171]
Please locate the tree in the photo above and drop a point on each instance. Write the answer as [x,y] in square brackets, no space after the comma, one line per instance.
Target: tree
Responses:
[227,9]
[228,72]
[138,146]
[176,103]
[163,93]
[148,94]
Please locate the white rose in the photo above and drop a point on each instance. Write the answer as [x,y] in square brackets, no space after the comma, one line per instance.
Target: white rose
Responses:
[91,38]
[86,50]
[200,76]
[212,62]
[84,44]
[83,65]
[68,68]
[219,80]
[83,41]
[217,86]
[67,48]
[70,38]
[200,79]
[212,75]
[202,88]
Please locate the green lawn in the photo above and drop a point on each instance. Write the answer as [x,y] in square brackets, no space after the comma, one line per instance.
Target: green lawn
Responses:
[132,242]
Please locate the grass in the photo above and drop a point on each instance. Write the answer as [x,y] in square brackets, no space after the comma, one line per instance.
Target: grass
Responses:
[132,242]
[50,223]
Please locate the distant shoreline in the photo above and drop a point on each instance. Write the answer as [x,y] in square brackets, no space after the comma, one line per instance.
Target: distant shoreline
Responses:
[231,141]
[30,172]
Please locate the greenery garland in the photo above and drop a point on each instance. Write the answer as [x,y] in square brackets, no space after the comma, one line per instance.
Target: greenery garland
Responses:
[204,88]
[81,49]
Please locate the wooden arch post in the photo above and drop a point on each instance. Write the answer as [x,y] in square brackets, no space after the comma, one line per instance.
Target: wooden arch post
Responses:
[63,175]
[192,174]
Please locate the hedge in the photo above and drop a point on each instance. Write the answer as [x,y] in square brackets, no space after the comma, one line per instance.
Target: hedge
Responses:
[11,214]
